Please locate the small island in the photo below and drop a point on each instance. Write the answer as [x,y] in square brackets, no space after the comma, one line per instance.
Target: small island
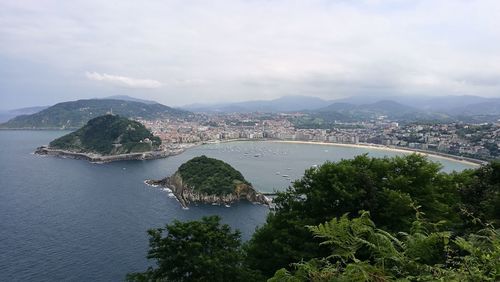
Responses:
[209,181]
[107,138]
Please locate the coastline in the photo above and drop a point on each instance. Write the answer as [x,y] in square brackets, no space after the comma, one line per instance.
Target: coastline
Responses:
[185,195]
[97,158]
[464,160]
[468,161]
[39,129]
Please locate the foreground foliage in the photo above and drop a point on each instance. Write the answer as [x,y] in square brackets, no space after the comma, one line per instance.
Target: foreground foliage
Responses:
[203,250]
[362,252]
[386,187]
[415,223]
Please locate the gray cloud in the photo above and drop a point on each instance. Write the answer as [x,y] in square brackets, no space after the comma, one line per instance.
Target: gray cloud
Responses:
[123,80]
[213,51]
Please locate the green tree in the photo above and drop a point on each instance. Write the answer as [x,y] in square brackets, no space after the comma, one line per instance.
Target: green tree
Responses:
[480,194]
[362,252]
[386,187]
[203,250]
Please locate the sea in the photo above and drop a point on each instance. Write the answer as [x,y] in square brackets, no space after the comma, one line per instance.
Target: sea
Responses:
[71,220]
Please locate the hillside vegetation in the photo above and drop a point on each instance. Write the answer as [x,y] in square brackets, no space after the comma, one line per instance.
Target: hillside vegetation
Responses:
[109,135]
[75,114]
[344,112]
[210,176]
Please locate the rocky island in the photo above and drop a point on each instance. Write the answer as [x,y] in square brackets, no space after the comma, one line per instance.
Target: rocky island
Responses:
[107,138]
[209,181]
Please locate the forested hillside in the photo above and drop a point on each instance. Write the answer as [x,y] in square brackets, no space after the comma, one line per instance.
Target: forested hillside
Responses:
[75,114]
[210,176]
[108,135]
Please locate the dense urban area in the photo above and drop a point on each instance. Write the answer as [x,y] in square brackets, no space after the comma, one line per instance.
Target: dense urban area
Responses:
[465,140]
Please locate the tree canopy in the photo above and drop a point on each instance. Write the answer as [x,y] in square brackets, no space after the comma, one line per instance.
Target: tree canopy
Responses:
[386,187]
[359,251]
[211,176]
[202,250]
[108,135]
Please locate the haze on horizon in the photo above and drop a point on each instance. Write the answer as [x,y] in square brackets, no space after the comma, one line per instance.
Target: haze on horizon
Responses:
[183,52]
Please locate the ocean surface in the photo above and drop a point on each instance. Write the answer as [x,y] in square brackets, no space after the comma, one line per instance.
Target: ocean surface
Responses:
[65,219]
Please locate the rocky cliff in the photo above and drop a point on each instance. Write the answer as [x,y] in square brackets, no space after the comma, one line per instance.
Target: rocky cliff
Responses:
[96,158]
[187,195]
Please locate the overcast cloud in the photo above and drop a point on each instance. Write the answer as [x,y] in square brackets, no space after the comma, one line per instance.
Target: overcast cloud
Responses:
[181,52]
[123,80]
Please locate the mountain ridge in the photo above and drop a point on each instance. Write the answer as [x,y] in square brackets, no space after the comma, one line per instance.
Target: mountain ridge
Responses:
[129,98]
[284,104]
[424,105]
[74,114]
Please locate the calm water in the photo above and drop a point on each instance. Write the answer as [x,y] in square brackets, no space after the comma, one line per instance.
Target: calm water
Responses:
[64,219]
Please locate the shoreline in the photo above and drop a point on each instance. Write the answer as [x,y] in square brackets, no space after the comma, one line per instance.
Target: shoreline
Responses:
[468,161]
[97,158]
[459,159]
[39,129]
[463,160]
[186,196]
[100,158]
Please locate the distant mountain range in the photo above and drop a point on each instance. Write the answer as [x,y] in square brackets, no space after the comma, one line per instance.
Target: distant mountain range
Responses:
[455,104]
[393,110]
[6,115]
[283,104]
[75,114]
[441,107]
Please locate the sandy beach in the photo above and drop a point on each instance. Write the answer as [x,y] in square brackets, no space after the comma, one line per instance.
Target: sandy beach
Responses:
[385,148]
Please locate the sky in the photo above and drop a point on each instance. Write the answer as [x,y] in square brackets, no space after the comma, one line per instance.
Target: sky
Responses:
[185,52]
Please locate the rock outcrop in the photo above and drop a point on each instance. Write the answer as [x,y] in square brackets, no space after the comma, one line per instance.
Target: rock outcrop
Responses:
[97,158]
[187,195]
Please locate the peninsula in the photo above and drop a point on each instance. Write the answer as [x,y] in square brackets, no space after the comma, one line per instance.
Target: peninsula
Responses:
[107,138]
[209,181]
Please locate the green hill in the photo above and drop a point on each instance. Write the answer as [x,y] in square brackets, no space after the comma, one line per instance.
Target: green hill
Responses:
[108,135]
[327,117]
[75,114]
[210,176]
[393,110]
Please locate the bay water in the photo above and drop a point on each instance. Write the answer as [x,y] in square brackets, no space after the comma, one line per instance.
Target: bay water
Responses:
[70,220]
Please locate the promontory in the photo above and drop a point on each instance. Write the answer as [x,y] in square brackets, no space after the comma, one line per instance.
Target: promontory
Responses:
[107,138]
[209,181]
